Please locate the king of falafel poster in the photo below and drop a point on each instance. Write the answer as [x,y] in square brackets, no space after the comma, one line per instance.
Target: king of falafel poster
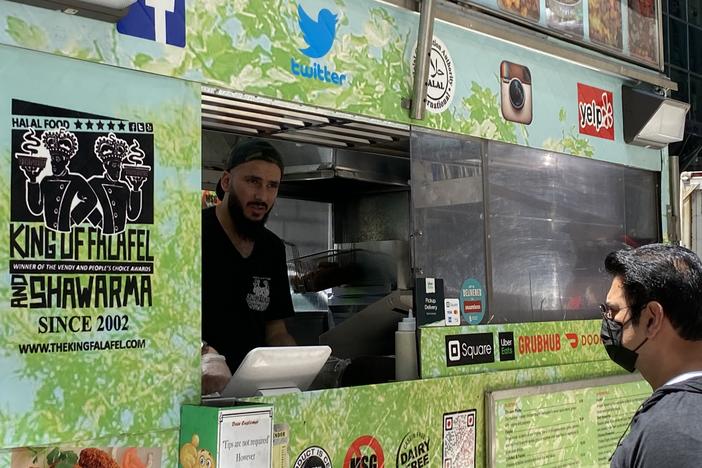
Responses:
[100,300]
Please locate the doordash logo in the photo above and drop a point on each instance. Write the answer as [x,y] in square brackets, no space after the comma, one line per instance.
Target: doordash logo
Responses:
[319,37]
[583,340]
[596,112]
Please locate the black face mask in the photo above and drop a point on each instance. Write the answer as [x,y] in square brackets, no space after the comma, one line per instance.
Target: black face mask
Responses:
[611,336]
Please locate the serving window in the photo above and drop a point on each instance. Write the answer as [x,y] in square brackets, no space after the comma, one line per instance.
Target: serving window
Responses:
[532,227]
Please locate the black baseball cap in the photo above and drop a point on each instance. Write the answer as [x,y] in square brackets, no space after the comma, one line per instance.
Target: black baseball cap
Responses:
[251,150]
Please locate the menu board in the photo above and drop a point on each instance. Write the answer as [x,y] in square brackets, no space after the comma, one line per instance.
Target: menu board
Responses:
[627,29]
[557,425]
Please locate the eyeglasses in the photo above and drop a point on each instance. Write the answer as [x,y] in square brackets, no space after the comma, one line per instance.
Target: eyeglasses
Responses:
[610,312]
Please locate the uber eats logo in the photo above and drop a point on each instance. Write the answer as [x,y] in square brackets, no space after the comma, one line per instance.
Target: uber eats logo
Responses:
[474,348]
[506,340]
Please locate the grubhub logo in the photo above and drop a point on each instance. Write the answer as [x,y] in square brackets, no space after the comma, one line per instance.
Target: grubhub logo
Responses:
[474,348]
[319,36]
[537,344]
[596,112]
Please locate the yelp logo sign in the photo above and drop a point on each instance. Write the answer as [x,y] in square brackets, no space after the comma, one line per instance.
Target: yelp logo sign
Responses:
[595,112]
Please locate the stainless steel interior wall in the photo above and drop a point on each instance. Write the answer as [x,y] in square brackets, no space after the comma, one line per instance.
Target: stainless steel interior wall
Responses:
[372,217]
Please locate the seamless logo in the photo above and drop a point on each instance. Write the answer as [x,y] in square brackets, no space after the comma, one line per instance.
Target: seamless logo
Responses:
[157,20]
[319,35]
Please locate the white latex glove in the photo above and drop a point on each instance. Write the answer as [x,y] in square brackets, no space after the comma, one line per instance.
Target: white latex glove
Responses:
[215,373]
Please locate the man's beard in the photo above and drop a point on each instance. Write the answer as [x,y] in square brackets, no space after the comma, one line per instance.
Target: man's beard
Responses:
[246,228]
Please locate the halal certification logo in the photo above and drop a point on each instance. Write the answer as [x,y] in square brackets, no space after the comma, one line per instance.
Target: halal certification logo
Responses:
[441,79]
[313,457]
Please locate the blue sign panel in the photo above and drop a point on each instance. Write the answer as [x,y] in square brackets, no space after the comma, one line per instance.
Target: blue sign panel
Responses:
[157,20]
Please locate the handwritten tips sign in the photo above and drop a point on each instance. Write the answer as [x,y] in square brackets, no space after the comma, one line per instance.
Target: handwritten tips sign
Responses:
[245,437]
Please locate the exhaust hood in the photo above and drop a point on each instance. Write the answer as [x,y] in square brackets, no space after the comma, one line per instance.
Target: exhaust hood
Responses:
[652,120]
[314,172]
[327,154]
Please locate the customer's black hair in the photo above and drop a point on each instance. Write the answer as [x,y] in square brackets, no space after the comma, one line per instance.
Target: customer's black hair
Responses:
[668,274]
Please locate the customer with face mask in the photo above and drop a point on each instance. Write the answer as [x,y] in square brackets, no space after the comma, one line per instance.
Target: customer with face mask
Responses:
[245,290]
[652,322]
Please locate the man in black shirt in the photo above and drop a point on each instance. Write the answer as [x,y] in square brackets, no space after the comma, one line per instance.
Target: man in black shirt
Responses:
[652,322]
[245,291]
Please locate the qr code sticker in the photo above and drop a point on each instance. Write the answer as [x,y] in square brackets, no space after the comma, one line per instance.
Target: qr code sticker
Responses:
[459,439]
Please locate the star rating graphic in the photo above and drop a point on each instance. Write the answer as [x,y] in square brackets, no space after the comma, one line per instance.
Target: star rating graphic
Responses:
[111,125]
[99,124]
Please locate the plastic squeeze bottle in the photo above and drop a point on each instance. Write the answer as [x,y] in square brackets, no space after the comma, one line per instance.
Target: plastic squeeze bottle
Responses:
[406,349]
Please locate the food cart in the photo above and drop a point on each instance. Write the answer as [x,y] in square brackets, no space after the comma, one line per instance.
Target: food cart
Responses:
[494,186]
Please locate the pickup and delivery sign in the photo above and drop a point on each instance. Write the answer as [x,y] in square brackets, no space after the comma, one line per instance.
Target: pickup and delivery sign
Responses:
[595,112]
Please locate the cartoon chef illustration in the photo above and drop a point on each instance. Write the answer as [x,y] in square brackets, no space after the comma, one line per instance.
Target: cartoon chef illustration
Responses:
[64,197]
[118,193]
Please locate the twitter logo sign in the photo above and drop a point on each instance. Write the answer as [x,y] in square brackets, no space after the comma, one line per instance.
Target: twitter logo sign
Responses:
[319,37]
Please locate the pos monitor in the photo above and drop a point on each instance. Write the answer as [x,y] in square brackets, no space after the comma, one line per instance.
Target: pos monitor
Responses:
[276,370]
[370,332]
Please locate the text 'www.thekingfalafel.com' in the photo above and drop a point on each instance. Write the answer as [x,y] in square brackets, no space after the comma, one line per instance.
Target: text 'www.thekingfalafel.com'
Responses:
[80,346]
